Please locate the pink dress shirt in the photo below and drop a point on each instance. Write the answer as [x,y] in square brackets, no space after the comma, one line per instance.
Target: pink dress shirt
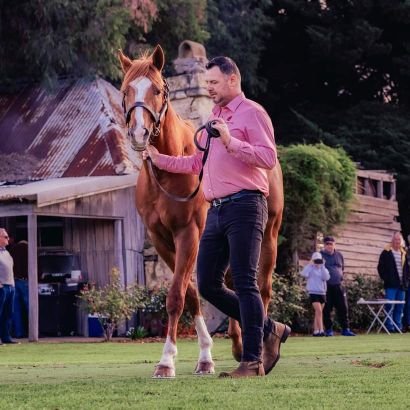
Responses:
[244,163]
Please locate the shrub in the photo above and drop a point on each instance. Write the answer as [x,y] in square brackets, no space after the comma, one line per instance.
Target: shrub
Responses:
[288,303]
[155,303]
[368,289]
[135,333]
[113,303]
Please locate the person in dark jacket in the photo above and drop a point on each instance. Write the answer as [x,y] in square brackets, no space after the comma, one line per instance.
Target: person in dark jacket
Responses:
[393,270]
[336,294]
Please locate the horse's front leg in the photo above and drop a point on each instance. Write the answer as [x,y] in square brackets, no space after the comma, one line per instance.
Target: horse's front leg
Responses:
[186,245]
[205,363]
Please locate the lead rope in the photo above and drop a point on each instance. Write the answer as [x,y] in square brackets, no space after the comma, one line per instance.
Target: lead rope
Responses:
[211,133]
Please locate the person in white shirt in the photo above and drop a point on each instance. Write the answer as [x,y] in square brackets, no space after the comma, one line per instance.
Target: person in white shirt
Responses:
[6,289]
[317,275]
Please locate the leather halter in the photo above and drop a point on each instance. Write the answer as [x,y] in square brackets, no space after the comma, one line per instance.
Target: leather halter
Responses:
[157,117]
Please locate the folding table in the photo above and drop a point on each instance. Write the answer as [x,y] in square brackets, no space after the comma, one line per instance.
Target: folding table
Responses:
[381,314]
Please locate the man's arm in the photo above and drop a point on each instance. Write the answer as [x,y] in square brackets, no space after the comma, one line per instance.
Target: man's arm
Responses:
[190,164]
[259,150]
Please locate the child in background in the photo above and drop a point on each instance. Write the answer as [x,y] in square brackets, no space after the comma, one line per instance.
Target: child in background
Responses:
[317,276]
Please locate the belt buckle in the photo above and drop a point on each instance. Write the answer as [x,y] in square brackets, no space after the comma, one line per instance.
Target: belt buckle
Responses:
[216,202]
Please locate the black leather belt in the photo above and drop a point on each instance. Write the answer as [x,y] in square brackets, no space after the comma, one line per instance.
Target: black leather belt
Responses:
[245,192]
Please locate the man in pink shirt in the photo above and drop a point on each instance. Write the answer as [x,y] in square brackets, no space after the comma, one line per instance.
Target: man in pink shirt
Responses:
[236,185]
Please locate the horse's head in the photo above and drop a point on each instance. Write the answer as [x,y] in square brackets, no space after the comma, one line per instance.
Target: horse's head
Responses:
[145,97]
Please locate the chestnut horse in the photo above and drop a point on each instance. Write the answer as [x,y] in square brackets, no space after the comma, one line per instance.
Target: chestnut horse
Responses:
[176,227]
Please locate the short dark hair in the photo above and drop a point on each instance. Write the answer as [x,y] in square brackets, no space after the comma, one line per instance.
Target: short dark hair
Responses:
[225,64]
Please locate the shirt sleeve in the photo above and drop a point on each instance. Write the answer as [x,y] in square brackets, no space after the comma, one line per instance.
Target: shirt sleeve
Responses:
[259,148]
[306,271]
[190,164]
[325,274]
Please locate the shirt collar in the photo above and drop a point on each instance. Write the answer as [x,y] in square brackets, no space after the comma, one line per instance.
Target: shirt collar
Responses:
[232,105]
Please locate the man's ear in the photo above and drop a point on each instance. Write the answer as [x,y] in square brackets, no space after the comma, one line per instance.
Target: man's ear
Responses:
[234,80]
[158,58]
[125,61]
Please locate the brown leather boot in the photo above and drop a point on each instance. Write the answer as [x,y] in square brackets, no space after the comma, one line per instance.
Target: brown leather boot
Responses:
[271,345]
[245,369]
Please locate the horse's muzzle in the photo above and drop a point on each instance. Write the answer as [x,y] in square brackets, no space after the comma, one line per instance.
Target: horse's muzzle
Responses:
[139,145]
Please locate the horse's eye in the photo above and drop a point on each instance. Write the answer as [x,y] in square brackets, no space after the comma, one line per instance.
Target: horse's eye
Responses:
[156,91]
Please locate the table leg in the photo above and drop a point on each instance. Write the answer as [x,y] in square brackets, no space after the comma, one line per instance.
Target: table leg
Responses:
[388,315]
[377,319]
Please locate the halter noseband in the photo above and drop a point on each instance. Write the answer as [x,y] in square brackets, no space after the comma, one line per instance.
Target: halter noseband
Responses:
[157,117]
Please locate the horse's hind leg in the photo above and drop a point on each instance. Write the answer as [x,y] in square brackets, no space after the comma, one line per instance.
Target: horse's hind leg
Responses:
[234,330]
[205,363]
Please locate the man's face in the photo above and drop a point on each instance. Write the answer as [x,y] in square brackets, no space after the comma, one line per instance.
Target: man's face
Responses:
[396,242]
[4,238]
[219,86]
[329,247]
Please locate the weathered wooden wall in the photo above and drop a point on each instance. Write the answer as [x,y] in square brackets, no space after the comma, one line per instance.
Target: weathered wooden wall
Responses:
[90,232]
[368,229]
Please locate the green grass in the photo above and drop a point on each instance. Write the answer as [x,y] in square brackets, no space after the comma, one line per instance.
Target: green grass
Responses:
[364,372]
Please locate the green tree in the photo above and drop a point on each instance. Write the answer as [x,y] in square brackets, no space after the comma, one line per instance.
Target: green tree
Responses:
[42,40]
[178,20]
[338,71]
[338,54]
[318,183]
[238,29]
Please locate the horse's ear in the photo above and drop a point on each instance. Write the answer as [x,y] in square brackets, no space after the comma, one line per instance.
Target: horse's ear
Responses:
[125,61]
[158,58]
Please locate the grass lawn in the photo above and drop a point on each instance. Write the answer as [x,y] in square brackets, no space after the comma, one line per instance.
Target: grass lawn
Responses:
[364,372]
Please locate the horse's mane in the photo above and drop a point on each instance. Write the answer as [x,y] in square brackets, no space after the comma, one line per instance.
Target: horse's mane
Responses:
[143,67]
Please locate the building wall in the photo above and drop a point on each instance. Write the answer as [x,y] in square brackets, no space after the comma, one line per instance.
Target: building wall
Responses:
[368,229]
[90,232]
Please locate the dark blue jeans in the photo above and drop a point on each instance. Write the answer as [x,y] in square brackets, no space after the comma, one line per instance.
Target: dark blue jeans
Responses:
[396,310]
[6,311]
[233,236]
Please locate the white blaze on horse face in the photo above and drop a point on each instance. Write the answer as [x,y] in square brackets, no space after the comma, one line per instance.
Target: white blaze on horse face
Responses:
[140,86]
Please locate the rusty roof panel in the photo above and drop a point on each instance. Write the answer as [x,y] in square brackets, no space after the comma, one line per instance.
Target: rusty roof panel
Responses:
[78,130]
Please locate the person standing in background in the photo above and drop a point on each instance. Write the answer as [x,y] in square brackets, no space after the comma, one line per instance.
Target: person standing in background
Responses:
[317,275]
[336,294]
[393,270]
[6,289]
[406,317]
[19,253]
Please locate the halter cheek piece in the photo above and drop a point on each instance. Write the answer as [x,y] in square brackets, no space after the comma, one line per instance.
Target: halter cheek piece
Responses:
[157,117]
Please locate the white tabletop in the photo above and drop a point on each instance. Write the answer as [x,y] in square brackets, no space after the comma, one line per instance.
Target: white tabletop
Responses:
[361,301]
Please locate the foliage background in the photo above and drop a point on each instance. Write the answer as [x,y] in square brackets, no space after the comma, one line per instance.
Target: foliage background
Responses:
[335,72]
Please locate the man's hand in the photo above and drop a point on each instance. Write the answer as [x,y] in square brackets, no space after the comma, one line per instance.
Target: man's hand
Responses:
[220,125]
[151,152]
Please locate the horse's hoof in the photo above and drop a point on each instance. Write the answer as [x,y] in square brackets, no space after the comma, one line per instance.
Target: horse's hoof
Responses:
[204,368]
[163,372]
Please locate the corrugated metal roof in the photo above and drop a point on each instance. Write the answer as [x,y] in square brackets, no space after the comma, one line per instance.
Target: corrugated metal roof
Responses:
[76,130]
[56,190]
